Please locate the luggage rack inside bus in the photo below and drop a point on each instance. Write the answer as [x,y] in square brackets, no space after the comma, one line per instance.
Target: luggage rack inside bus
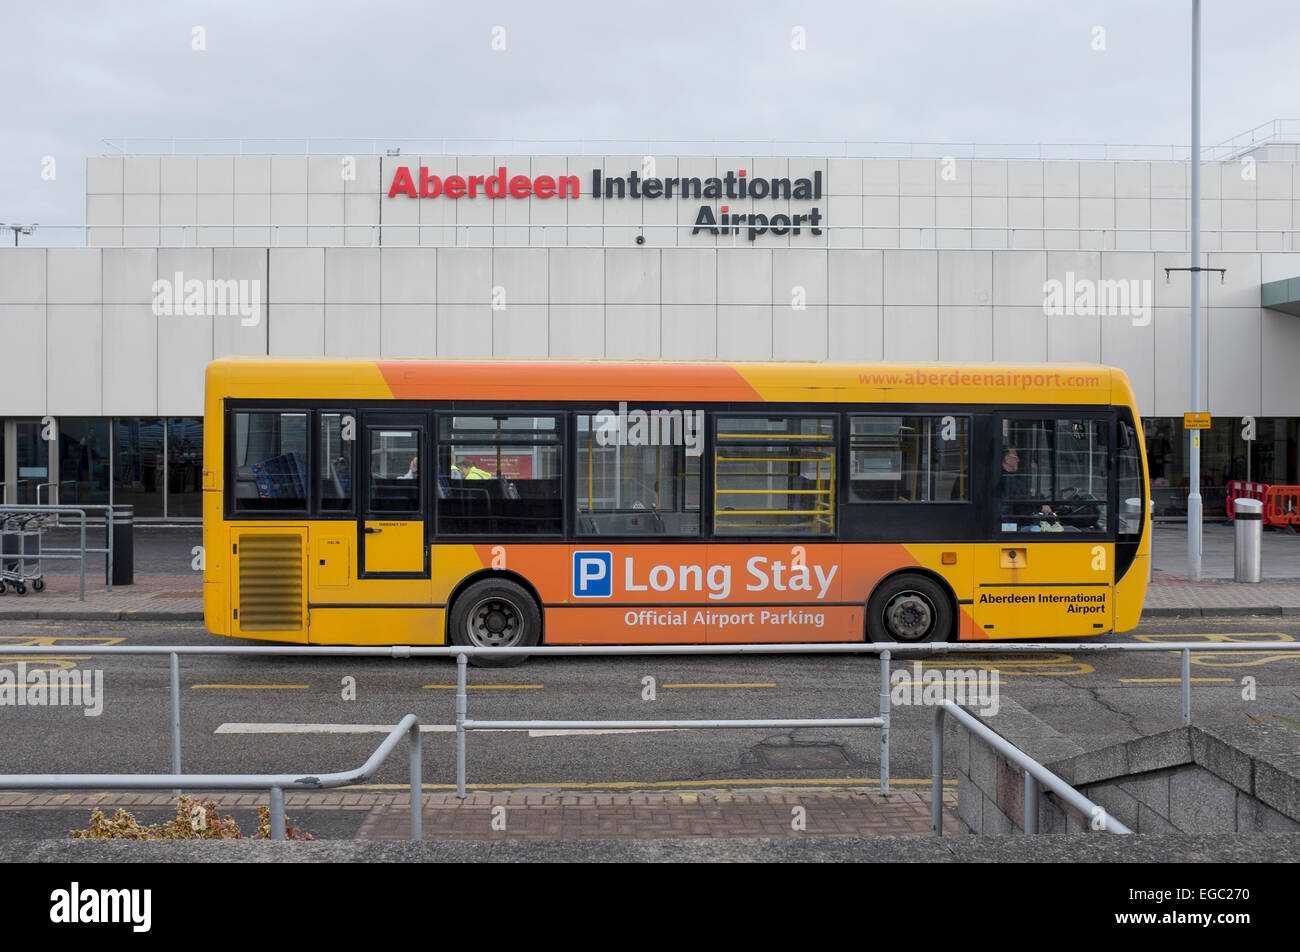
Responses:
[816,490]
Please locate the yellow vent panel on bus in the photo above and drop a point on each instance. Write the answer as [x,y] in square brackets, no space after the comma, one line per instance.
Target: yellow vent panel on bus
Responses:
[270,582]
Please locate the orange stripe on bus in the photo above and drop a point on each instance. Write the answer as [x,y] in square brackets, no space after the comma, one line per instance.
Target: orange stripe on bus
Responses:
[559,380]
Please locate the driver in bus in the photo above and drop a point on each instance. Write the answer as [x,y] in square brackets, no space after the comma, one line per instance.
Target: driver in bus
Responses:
[1014,486]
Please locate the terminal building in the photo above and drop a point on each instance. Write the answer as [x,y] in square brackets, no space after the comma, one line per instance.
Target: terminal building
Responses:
[106,327]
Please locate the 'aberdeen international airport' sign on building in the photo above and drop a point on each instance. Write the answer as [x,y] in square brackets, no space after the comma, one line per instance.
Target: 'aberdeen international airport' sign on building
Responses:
[736,185]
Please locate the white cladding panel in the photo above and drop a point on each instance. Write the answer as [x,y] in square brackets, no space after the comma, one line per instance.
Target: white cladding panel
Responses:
[130,360]
[346,198]
[24,329]
[83,337]
[75,353]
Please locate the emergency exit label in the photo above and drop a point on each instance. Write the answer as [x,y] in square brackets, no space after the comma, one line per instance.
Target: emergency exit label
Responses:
[1196,421]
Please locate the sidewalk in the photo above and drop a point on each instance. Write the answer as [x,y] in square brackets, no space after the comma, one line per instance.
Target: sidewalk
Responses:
[166,589]
[151,598]
[495,817]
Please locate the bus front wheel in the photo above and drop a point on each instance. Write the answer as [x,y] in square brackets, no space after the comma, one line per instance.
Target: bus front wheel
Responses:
[909,608]
[495,613]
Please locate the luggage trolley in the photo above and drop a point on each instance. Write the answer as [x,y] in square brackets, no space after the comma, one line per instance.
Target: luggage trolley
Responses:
[20,551]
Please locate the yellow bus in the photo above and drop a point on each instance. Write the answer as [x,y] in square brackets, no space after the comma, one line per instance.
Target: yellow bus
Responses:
[516,503]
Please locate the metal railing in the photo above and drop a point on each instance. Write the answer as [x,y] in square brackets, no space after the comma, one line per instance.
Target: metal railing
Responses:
[80,551]
[1035,774]
[275,784]
[1273,132]
[464,724]
[838,237]
[63,552]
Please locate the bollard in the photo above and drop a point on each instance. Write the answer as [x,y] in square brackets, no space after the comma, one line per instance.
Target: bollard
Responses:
[1248,526]
[122,562]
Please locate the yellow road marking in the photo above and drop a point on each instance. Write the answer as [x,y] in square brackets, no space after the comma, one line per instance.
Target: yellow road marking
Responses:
[1217,636]
[738,684]
[1177,680]
[250,687]
[36,640]
[61,663]
[485,687]
[1036,665]
[54,662]
[1229,659]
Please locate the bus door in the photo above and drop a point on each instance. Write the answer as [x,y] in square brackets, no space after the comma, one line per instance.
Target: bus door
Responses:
[1049,570]
[393,525]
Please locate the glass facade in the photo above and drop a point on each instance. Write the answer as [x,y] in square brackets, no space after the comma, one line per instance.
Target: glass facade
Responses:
[185,467]
[138,464]
[156,465]
[84,461]
[1225,455]
[33,464]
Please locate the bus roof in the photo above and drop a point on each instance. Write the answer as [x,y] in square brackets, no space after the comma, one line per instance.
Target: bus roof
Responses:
[666,381]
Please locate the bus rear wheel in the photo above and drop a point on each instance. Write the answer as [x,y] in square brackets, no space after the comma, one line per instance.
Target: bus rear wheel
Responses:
[909,608]
[495,613]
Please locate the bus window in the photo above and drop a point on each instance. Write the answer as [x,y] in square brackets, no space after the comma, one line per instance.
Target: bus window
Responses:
[1131,501]
[1054,475]
[774,476]
[909,459]
[394,469]
[634,489]
[500,475]
[269,461]
[335,473]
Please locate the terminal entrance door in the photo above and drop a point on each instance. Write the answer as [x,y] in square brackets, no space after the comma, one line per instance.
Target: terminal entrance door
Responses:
[24,463]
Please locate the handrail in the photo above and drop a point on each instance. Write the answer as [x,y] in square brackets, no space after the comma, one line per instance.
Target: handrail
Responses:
[1035,774]
[275,783]
[325,146]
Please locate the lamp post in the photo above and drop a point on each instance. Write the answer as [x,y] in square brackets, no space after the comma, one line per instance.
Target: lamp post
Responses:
[19,230]
[1194,456]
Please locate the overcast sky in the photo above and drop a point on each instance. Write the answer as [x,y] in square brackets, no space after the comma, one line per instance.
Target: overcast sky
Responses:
[950,71]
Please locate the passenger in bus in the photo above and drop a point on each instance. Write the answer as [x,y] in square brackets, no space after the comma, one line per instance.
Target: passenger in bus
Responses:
[412,471]
[465,469]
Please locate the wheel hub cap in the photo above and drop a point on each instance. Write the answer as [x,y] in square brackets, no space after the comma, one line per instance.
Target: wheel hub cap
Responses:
[908,616]
[494,624]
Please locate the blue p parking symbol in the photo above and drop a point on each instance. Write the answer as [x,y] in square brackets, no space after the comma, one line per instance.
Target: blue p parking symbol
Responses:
[593,574]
